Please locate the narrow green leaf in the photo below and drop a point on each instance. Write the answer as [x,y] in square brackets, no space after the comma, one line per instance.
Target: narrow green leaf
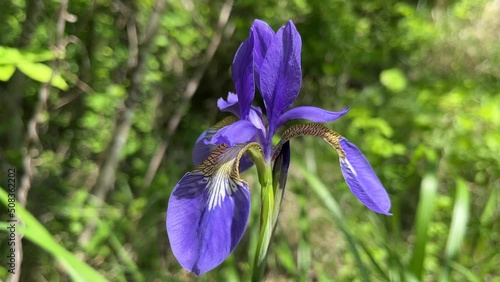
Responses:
[125,258]
[459,221]
[42,73]
[285,256]
[36,232]
[467,273]
[322,192]
[42,56]
[266,222]
[425,210]
[489,209]
[14,56]
[9,56]
[458,226]
[5,225]
[6,72]
[304,249]
[374,262]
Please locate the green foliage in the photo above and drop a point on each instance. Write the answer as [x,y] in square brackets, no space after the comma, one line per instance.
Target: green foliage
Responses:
[393,79]
[27,63]
[34,231]
[421,81]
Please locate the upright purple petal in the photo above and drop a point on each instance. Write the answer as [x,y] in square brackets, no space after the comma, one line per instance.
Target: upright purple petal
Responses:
[255,118]
[263,36]
[362,180]
[202,150]
[243,75]
[239,132]
[230,105]
[206,218]
[202,147]
[280,73]
[313,114]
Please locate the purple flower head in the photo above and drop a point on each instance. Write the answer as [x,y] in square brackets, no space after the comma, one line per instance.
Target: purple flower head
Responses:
[209,207]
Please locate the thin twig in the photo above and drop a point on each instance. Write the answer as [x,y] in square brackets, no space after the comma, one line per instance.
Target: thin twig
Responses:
[136,65]
[32,141]
[191,88]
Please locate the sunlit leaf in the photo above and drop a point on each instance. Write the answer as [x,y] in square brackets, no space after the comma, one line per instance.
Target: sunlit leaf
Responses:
[42,73]
[458,226]
[425,210]
[36,232]
[6,71]
[9,56]
[323,193]
[394,79]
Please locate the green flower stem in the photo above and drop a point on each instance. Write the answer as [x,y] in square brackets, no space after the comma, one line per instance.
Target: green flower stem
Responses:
[266,217]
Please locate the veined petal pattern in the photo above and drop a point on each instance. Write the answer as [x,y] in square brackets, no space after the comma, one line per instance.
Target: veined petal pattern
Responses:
[208,210]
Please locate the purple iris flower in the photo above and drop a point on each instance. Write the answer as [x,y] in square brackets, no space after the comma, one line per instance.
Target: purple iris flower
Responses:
[209,207]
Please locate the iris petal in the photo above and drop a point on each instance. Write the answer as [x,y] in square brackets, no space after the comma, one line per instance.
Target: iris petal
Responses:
[206,219]
[280,73]
[201,149]
[362,180]
[263,36]
[280,175]
[242,72]
[239,132]
[357,171]
[313,114]
[208,210]
[230,104]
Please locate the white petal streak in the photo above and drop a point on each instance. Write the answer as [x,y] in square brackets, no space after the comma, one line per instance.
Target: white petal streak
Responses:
[348,164]
[220,180]
[221,185]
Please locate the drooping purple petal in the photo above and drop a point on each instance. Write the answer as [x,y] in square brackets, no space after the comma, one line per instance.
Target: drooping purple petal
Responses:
[280,73]
[239,132]
[263,36]
[206,218]
[362,180]
[313,114]
[230,104]
[243,75]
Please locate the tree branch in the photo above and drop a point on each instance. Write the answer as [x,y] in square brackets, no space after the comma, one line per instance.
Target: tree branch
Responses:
[191,88]
[32,142]
[135,74]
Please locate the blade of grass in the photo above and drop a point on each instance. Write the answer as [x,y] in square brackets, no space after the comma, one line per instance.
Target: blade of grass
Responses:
[125,258]
[36,232]
[458,226]
[465,272]
[304,249]
[330,203]
[374,262]
[284,255]
[489,209]
[425,210]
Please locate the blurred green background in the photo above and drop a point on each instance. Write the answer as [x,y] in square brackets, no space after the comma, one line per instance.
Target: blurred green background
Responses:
[101,102]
